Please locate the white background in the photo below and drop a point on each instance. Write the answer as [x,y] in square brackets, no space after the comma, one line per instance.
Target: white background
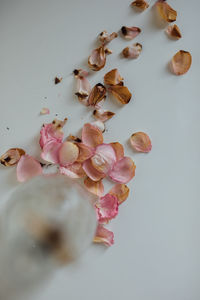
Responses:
[156,255]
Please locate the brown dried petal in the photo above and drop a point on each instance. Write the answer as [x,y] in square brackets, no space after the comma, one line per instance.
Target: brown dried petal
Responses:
[11,157]
[108,51]
[97,59]
[121,93]
[97,94]
[181,62]
[57,80]
[141,4]
[113,77]
[165,11]
[59,124]
[130,32]
[173,31]
[132,51]
[103,115]
[106,38]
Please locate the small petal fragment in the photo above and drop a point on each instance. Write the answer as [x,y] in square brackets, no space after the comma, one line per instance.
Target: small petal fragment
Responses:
[130,32]
[121,191]
[91,172]
[123,170]
[97,94]
[121,93]
[91,135]
[107,208]
[181,62]
[73,171]
[94,187]
[165,11]
[104,158]
[104,236]
[27,168]
[141,4]
[141,142]
[85,152]
[45,111]
[103,115]
[106,38]
[11,157]
[132,51]
[173,31]
[83,86]
[57,80]
[50,151]
[119,150]
[113,77]
[68,153]
[97,59]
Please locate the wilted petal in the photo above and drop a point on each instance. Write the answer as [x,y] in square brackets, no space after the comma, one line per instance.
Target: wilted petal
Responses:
[106,38]
[119,150]
[123,170]
[91,135]
[141,142]
[85,152]
[130,32]
[121,93]
[68,153]
[104,158]
[94,187]
[132,51]
[107,208]
[27,168]
[97,94]
[113,77]
[181,62]
[11,157]
[99,124]
[45,111]
[121,191]
[91,172]
[141,4]
[173,31]
[104,236]
[165,11]
[73,171]
[83,90]
[103,115]
[50,151]
[97,59]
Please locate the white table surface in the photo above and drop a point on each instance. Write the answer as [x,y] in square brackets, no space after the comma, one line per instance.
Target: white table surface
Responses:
[156,255]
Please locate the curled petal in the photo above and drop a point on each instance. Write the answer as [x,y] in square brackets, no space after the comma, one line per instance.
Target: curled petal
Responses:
[50,151]
[45,111]
[132,51]
[97,59]
[104,236]
[83,90]
[97,94]
[94,187]
[123,170]
[103,115]
[173,31]
[140,142]
[113,77]
[11,157]
[104,158]
[119,150]
[79,73]
[85,152]
[73,171]
[181,62]
[68,153]
[165,11]
[107,208]
[99,124]
[106,38]
[121,191]
[141,4]
[91,172]
[27,168]
[130,32]
[91,135]
[121,93]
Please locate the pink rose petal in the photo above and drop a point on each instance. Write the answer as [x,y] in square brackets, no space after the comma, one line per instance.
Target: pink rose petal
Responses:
[94,187]
[97,59]
[119,150]
[85,152]
[91,135]
[73,171]
[83,90]
[107,208]
[91,172]
[130,32]
[123,170]
[121,191]
[141,142]
[50,151]
[27,168]
[104,236]
[68,153]
[104,158]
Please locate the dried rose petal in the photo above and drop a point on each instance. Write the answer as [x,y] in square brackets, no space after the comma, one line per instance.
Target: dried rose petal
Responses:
[57,80]
[104,158]
[27,168]
[165,11]
[132,51]
[103,115]
[97,59]
[141,4]
[83,90]
[11,157]
[50,151]
[91,135]
[68,153]
[121,191]
[91,172]
[107,208]
[123,170]
[79,73]
[121,93]
[104,236]
[181,62]
[94,187]
[99,124]
[106,38]
[130,32]
[141,142]
[108,51]
[45,111]
[73,171]
[119,150]
[113,77]
[85,152]
[97,94]
[173,31]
